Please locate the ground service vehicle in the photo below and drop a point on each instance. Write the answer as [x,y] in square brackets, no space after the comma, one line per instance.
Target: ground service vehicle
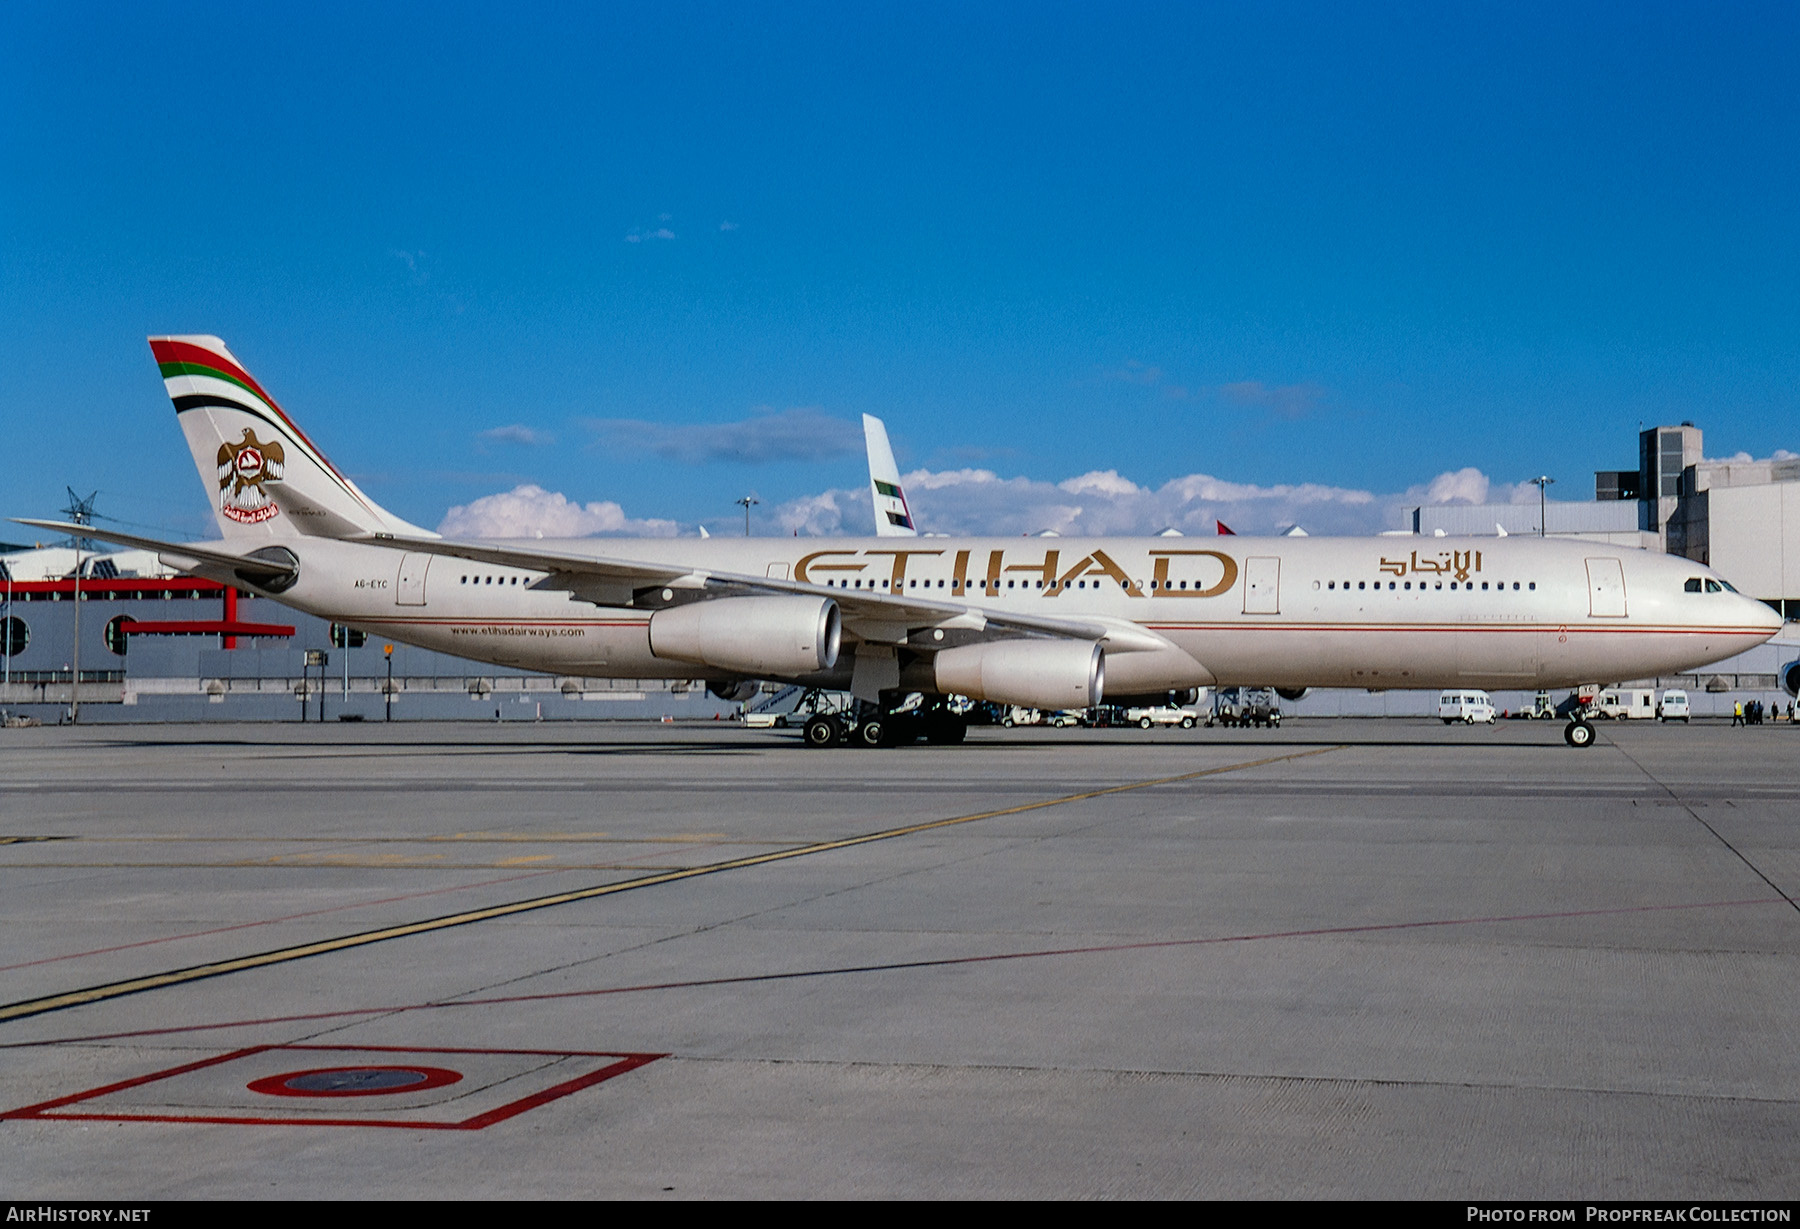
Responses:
[1467,706]
[1625,703]
[1543,708]
[1674,706]
[1145,718]
[1246,706]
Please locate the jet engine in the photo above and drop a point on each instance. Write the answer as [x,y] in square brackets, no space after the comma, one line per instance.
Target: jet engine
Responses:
[734,691]
[1292,694]
[768,637]
[1789,677]
[1053,674]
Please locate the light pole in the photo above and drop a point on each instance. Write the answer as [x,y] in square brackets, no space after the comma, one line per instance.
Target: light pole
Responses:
[75,674]
[1540,482]
[6,628]
[748,502]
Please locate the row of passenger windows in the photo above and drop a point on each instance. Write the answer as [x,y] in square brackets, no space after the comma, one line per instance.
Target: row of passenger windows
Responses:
[973,582]
[1469,586]
[1694,584]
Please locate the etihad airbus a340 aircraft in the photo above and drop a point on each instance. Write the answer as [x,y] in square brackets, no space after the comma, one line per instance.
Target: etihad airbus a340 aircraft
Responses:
[1055,623]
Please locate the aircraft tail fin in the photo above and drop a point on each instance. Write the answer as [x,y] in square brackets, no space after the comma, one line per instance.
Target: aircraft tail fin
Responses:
[266,479]
[893,517]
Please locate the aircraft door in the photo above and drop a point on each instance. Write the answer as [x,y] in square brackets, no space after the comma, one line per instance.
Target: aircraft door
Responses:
[409,583]
[1262,585]
[1606,588]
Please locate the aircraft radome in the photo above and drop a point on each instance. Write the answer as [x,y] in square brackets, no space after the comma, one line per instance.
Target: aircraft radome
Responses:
[1055,623]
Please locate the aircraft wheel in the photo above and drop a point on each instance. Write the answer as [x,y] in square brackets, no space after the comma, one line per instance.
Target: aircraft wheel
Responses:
[1144,723]
[822,731]
[1579,734]
[871,733]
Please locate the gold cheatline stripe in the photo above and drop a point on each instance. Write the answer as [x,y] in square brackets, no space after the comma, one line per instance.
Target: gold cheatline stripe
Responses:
[175,977]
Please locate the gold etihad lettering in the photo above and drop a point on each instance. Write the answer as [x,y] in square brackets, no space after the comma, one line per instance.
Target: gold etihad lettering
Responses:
[1046,571]
[806,565]
[1097,564]
[1458,563]
[995,559]
[1160,587]
[897,581]
[1051,578]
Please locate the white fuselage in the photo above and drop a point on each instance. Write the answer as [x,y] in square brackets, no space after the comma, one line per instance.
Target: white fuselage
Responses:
[1377,613]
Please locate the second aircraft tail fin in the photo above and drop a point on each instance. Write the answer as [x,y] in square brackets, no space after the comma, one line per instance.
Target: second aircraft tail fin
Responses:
[893,518]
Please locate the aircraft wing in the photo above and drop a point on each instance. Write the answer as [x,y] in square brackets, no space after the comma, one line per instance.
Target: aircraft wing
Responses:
[869,615]
[172,552]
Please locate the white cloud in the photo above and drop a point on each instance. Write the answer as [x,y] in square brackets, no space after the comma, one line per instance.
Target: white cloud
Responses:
[979,501]
[517,433]
[638,235]
[791,435]
[1282,400]
[529,511]
[1462,486]
[1108,484]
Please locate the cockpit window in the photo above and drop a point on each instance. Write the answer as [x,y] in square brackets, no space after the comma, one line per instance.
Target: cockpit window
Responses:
[1713,586]
[1692,585]
[1729,587]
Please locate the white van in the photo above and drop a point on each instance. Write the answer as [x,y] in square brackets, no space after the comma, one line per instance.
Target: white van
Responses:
[1625,703]
[1465,706]
[1674,707]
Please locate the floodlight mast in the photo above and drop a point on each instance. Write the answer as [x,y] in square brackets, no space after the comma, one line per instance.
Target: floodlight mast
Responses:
[1540,482]
[747,502]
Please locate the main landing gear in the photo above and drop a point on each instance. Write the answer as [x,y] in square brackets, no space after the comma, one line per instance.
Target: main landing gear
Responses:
[882,725]
[1579,733]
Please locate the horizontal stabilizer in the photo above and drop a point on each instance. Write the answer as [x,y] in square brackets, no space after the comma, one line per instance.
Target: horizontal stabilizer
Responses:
[208,552]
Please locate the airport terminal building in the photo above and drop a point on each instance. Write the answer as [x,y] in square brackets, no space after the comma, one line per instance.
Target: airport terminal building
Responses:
[1739,516]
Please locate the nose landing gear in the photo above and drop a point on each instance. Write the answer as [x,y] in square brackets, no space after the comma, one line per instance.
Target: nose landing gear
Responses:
[1579,733]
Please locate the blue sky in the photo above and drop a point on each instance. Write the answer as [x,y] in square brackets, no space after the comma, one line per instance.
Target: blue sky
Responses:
[664,255]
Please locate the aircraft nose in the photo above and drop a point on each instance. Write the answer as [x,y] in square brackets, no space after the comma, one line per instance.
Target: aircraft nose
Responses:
[1764,616]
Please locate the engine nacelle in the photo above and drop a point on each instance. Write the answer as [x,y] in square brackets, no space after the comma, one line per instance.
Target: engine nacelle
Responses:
[1292,695]
[1789,678]
[734,691]
[768,637]
[1054,674]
